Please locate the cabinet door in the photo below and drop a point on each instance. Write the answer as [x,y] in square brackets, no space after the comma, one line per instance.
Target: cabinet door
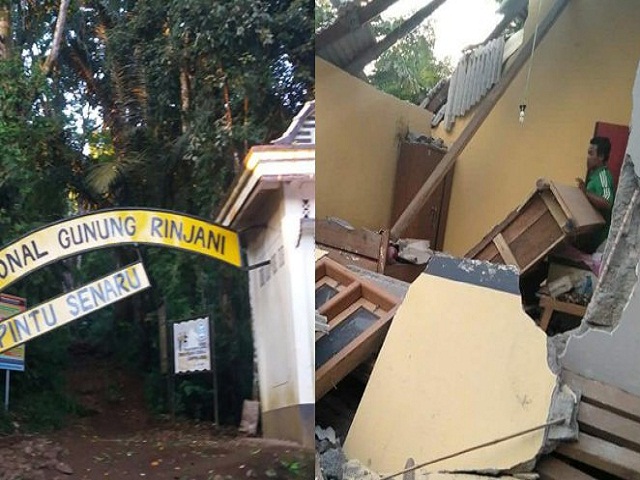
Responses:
[416,161]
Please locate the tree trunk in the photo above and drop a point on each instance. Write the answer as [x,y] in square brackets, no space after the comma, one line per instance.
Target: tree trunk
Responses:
[5,31]
[185,97]
[57,37]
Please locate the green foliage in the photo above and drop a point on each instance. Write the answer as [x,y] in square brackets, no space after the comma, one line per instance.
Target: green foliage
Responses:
[39,399]
[325,14]
[408,69]
[34,158]
[292,466]
[152,103]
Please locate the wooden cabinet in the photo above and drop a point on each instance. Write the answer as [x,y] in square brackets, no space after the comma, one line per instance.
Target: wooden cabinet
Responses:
[416,161]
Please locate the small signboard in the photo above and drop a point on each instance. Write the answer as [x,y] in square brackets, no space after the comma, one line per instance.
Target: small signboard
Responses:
[191,345]
[12,359]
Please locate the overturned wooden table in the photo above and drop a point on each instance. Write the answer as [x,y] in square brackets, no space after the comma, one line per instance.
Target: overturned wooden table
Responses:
[551,214]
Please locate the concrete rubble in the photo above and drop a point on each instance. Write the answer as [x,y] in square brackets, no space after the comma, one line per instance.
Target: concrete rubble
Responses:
[331,457]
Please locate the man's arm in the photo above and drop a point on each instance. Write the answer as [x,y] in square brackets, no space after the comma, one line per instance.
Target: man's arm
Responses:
[599,203]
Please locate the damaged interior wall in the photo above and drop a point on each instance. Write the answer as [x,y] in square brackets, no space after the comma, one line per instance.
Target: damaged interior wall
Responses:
[611,353]
[581,74]
[358,130]
[453,374]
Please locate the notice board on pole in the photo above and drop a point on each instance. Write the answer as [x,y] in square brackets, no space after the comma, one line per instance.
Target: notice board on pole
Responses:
[9,306]
[191,345]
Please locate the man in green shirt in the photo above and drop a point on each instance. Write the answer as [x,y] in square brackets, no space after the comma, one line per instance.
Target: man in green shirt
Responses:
[599,187]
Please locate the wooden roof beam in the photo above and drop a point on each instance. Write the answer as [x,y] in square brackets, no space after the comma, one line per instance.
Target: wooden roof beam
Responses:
[351,21]
[399,32]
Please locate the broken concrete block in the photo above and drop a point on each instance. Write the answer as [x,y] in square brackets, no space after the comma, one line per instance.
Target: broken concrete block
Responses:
[414,250]
[331,463]
[461,365]
[612,357]
[326,434]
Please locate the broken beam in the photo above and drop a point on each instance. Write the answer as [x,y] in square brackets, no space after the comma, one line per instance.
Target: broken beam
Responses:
[345,24]
[373,52]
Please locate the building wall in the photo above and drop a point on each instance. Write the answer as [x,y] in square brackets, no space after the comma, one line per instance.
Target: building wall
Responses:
[281,304]
[583,72]
[358,128]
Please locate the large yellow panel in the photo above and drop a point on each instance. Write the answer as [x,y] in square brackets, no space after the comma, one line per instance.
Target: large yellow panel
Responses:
[461,365]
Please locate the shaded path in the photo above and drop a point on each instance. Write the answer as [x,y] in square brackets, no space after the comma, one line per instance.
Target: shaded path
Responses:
[119,440]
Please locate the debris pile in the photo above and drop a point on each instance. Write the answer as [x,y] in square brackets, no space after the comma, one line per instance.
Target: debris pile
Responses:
[32,460]
[332,458]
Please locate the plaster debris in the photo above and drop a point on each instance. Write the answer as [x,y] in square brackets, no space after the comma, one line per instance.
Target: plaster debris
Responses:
[326,434]
[319,253]
[461,365]
[414,250]
[321,323]
[331,458]
[331,464]
[354,470]
[395,287]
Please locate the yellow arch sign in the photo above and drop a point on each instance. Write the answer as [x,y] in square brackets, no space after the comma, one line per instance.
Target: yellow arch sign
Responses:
[108,228]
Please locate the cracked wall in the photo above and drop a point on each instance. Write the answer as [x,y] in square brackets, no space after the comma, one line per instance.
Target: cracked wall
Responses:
[606,345]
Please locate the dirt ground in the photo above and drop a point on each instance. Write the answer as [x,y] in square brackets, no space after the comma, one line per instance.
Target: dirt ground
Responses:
[119,440]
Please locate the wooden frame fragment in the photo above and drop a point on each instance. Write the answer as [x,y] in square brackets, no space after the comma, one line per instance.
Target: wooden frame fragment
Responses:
[354,295]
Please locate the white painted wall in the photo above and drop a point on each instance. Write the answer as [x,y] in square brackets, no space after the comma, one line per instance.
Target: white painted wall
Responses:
[282,301]
[610,357]
[299,248]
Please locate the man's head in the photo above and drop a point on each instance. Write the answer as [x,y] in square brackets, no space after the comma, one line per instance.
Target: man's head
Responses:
[598,153]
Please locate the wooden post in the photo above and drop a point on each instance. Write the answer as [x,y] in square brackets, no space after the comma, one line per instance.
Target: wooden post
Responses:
[485,107]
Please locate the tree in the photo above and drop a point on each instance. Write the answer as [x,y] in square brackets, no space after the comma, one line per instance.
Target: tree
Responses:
[408,69]
[147,103]
[325,14]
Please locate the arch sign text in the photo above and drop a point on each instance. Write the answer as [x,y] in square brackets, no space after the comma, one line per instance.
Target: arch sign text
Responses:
[106,228]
